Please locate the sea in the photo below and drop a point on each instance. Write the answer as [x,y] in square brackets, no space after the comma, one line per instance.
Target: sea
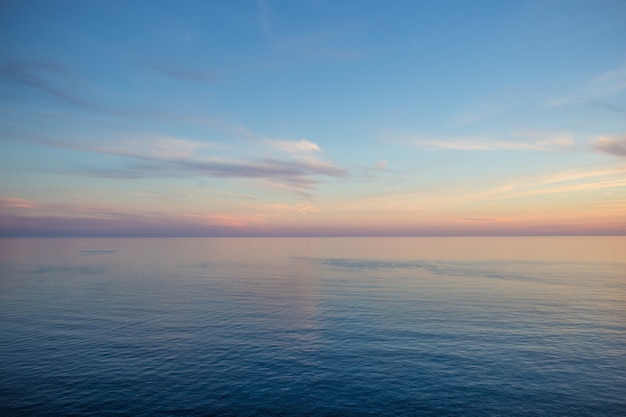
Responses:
[425,326]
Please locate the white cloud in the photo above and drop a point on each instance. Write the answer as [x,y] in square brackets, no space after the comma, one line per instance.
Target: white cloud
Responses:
[301,146]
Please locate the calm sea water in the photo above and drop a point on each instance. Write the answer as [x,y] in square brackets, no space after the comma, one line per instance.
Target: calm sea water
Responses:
[313,327]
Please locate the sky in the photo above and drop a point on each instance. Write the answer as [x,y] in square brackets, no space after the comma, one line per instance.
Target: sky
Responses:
[312,118]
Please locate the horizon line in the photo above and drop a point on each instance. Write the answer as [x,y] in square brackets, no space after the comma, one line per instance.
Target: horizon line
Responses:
[163,236]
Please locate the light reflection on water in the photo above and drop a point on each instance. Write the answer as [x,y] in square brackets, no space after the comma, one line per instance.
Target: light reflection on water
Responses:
[313,326]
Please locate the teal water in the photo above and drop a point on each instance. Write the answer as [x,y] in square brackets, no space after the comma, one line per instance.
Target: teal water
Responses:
[313,326]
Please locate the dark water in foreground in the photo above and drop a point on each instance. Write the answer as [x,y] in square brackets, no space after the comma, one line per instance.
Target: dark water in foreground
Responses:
[313,327]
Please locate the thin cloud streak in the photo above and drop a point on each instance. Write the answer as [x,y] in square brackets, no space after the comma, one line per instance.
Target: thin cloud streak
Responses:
[262,169]
[317,46]
[48,77]
[554,184]
[294,173]
[301,146]
[15,202]
[600,86]
[158,147]
[234,195]
[418,203]
[559,141]
[56,82]
[485,108]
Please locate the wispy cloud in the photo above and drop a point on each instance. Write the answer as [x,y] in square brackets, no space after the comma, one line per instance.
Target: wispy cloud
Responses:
[588,186]
[319,45]
[48,77]
[262,169]
[232,130]
[434,202]
[57,82]
[159,147]
[485,108]
[558,183]
[235,195]
[611,145]
[299,187]
[568,176]
[295,173]
[519,142]
[15,202]
[301,146]
[598,88]
[279,210]
[485,219]
[492,145]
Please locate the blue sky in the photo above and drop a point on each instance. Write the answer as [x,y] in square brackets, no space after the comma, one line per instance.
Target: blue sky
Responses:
[312,117]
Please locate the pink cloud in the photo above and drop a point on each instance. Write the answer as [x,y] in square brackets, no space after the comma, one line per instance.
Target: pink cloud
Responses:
[14,202]
[611,145]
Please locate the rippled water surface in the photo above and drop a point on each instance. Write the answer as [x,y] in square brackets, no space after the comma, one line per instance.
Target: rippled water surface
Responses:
[313,327]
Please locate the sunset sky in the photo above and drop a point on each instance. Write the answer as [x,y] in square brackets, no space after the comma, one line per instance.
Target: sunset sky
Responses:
[335,117]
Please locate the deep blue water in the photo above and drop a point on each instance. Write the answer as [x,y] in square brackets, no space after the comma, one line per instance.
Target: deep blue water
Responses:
[313,327]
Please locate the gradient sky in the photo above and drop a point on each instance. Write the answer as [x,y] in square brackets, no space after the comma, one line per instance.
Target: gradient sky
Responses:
[333,117]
